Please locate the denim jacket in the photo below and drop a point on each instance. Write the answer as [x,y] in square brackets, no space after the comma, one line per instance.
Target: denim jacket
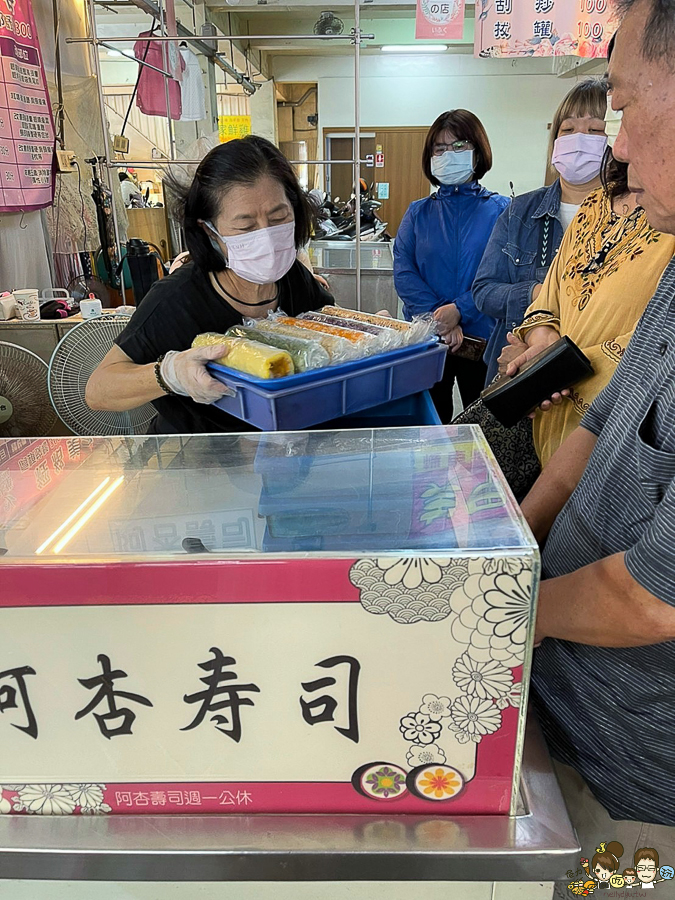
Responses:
[438,248]
[517,257]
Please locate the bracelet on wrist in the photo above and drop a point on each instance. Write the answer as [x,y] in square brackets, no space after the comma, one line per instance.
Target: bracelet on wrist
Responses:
[158,376]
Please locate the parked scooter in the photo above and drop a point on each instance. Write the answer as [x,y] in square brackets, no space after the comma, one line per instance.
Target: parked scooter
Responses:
[338,223]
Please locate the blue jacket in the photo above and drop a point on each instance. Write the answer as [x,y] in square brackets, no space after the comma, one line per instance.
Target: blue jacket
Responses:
[515,261]
[438,247]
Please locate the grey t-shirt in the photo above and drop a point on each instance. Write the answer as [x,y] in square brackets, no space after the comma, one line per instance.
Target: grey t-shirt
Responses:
[608,712]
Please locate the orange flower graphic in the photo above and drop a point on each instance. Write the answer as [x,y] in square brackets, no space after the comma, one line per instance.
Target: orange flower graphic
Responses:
[440,783]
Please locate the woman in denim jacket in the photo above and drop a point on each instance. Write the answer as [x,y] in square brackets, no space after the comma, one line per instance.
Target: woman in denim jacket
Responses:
[527,235]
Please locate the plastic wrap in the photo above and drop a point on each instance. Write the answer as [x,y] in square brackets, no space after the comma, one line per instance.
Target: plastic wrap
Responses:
[338,349]
[383,338]
[381,321]
[421,329]
[306,353]
[250,357]
[365,327]
[349,334]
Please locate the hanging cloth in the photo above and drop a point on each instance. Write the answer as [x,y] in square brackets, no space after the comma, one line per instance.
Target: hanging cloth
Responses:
[194,103]
[151,93]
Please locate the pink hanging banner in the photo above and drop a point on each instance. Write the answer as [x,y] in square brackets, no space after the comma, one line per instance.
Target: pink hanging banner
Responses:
[509,28]
[26,124]
[438,20]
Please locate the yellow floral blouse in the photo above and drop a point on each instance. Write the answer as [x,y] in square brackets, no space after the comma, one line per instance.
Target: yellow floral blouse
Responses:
[603,277]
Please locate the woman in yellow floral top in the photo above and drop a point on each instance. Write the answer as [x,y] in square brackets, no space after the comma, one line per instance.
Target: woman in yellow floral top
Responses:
[606,271]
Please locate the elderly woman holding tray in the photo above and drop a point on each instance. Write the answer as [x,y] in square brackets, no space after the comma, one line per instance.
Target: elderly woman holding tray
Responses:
[245,217]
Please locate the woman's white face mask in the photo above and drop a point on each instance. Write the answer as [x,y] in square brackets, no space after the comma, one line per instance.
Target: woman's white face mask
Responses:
[260,257]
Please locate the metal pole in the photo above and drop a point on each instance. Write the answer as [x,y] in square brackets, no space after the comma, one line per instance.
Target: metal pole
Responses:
[357,143]
[60,115]
[141,62]
[155,163]
[167,95]
[224,37]
[106,138]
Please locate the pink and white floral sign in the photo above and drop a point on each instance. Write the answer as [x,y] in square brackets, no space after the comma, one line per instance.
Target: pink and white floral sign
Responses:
[282,685]
[512,28]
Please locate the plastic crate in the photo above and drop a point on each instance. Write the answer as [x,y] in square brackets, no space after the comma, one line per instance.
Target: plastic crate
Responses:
[415,409]
[318,397]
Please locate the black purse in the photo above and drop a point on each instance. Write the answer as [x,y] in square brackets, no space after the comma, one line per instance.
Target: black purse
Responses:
[513,447]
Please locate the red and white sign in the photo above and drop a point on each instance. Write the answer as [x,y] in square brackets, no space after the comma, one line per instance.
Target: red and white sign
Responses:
[508,28]
[379,160]
[438,20]
[26,124]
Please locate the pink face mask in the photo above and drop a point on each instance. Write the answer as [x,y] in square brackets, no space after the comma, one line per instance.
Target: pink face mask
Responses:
[578,157]
[261,257]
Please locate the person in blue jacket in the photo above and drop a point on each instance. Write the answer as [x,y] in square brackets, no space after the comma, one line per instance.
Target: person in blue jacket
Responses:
[527,235]
[440,243]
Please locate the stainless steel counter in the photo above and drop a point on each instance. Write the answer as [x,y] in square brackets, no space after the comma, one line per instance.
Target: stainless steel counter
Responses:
[537,845]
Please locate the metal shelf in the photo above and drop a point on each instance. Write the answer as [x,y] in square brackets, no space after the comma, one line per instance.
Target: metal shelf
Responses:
[538,844]
[356,36]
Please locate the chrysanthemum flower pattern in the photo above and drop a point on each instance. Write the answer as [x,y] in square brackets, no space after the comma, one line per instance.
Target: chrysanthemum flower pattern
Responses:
[54,799]
[419,728]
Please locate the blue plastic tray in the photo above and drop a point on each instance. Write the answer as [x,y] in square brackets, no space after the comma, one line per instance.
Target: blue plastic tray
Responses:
[300,401]
[349,542]
[314,375]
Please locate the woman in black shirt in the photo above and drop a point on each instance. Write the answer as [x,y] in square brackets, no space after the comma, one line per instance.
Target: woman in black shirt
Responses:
[245,217]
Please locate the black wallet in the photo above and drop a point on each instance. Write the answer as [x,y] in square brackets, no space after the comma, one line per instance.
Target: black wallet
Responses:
[471,348]
[554,369]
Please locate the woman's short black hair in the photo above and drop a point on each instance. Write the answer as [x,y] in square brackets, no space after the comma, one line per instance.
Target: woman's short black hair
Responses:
[242,161]
[614,175]
[466,127]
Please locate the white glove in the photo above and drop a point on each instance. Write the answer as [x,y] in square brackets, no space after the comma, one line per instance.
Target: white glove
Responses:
[185,373]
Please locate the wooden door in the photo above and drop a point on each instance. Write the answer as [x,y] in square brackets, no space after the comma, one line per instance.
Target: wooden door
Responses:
[150,224]
[402,170]
[402,148]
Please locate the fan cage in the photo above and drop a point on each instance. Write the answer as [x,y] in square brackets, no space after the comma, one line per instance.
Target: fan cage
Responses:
[23,380]
[75,358]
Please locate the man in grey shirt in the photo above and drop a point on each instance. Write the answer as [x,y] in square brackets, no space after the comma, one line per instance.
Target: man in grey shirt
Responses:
[603,680]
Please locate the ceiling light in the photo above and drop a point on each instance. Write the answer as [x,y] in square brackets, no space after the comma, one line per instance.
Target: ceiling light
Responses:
[72,516]
[87,515]
[414,48]
[115,53]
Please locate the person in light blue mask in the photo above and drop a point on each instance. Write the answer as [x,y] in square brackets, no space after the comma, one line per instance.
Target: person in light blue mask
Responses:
[526,238]
[440,243]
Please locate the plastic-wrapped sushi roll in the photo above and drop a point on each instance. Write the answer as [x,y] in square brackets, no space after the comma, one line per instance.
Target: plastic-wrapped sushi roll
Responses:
[356,325]
[421,329]
[339,349]
[349,334]
[250,357]
[351,314]
[306,353]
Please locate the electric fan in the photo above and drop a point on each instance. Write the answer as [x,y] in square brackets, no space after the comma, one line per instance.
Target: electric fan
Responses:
[82,286]
[25,410]
[75,358]
[328,23]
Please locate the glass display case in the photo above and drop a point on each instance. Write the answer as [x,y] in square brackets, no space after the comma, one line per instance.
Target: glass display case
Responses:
[334,622]
[336,261]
